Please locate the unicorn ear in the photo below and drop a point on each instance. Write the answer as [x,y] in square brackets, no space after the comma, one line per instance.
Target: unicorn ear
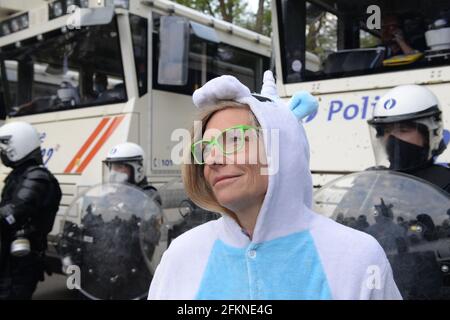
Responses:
[221,88]
[303,104]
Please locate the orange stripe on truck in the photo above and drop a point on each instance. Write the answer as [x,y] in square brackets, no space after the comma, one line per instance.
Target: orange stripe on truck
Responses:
[76,159]
[112,127]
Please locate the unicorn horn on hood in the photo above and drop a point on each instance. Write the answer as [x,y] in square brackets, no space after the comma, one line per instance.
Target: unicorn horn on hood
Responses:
[269,87]
[302,103]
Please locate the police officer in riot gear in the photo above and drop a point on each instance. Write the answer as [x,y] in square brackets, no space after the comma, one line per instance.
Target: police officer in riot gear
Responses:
[407,134]
[29,203]
[125,163]
[112,263]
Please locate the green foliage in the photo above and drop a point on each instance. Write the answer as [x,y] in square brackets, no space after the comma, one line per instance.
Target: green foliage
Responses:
[321,34]
[236,12]
[368,40]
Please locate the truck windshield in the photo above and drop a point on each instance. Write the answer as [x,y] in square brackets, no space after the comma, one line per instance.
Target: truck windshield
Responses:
[340,38]
[63,69]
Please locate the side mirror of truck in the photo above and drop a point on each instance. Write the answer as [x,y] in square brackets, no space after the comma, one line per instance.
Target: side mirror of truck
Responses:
[173,51]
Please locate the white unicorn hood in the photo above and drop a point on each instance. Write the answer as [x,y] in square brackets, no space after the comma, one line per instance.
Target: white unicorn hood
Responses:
[293,253]
[289,191]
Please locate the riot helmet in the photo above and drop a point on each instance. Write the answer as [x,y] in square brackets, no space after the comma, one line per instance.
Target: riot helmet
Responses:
[19,142]
[406,128]
[124,163]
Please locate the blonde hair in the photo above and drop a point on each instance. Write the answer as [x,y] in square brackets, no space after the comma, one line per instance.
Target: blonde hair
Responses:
[197,189]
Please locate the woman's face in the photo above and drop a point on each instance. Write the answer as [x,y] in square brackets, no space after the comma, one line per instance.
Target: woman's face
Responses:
[235,178]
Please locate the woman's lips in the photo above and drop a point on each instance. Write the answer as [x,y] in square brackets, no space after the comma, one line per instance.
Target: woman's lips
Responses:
[224,180]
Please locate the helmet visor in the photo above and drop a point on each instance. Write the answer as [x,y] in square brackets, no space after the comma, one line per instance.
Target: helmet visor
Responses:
[116,172]
[401,145]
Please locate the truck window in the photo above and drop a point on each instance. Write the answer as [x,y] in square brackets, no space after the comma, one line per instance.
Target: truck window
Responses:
[338,34]
[65,69]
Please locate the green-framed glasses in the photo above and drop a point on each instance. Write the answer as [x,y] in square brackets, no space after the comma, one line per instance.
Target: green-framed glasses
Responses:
[229,141]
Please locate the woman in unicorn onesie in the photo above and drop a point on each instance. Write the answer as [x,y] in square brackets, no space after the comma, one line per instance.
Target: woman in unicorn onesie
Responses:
[249,161]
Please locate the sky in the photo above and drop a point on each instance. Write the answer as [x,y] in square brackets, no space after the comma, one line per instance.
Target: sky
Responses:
[253,5]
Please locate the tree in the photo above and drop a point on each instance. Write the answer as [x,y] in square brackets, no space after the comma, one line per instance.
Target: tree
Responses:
[236,12]
[204,6]
[263,19]
[259,17]
[228,10]
[321,33]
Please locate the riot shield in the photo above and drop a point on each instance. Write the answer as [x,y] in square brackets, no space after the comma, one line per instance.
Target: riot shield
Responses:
[180,215]
[408,216]
[108,244]
[191,217]
[180,212]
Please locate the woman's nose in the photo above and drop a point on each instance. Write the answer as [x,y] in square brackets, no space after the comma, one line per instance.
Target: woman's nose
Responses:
[214,157]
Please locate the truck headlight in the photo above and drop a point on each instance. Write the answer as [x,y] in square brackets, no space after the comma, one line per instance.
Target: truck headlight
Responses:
[70,3]
[84,3]
[57,9]
[23,21]
[15,25]
[5,28]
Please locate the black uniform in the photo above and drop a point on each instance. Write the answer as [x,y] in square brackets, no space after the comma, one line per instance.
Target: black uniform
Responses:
[435,174]
[150,190]
[29,201]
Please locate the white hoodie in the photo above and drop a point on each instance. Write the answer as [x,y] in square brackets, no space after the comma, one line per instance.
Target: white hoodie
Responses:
[294,253]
